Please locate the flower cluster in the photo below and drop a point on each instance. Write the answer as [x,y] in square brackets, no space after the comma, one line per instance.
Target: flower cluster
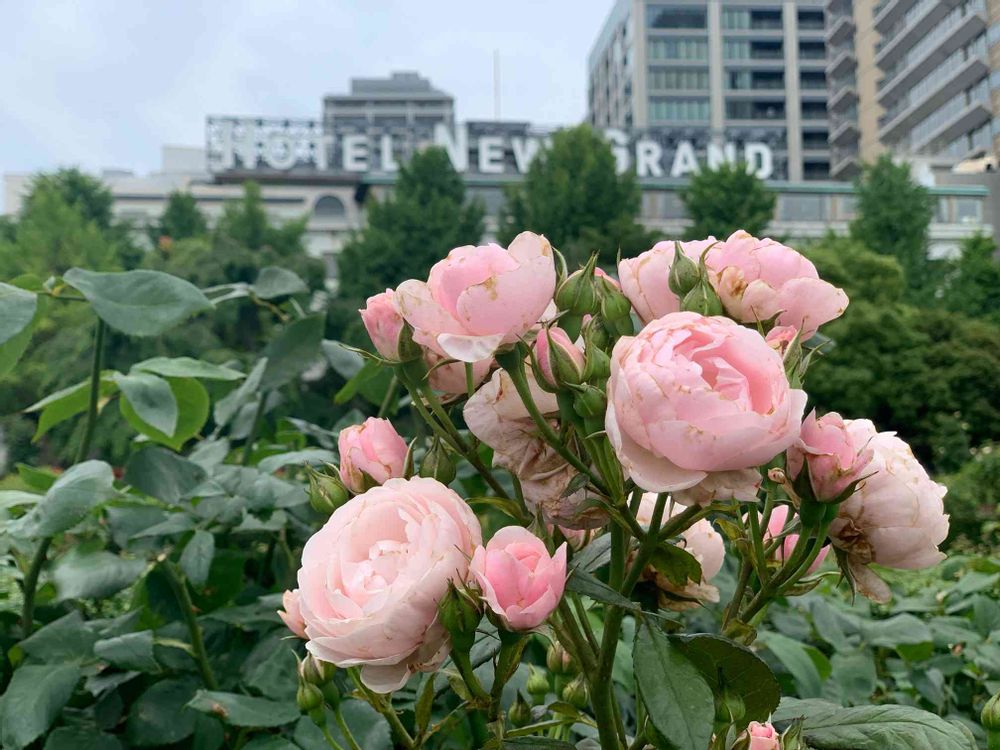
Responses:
[644,409]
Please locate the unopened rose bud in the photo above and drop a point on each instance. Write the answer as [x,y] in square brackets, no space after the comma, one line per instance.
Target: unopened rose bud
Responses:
[590,402]
[308,697]
[315,671]
[595,335]
[520,712]
[684,274]
[438,464]
[835,458]
[575,692]
[614,305]
[460,615]
[331,694]
[538,683]
[326,492]
[598,365]
[990,719]
[371,453]
[560,361]
[702,299]
[558,660]
[577,294]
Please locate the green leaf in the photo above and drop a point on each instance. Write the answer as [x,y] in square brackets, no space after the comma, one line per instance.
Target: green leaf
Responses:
[587,584]
[270,670]
[795,657]
[273,281]
[366,724]
[163,474]
[196,560]
[33,699]
[371,369]
[68,501]
[132,651]
[678,565]
[345,361]
[80,738]
[679,701]
[186,367]
[19,313]
[310,456]
[294,350]
[536,743]
[160,716]
[150,399]
[244,710]
[226,408]
[192,405]
[63,641]
[726,665]
[68,402]
[855,675]
[904,629]
[594,556]
[829,727]
[270,742]
[141,302]
[93,575]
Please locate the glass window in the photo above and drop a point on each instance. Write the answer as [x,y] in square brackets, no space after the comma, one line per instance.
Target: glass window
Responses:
[682,79]
[329,207]
[676,17]
[816,170]
[794,207]
[847,207]
[968,210]
[811,20]
[814,139]
[738,109]
[813,110]
[683,110]
[812,50]
[812,79]
[678,49]
[658,204]
[735,18]
[737,49]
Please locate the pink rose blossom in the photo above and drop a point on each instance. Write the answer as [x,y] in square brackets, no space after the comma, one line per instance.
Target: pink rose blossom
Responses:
[644,277]
[763,737]
[776,524]
[741,485]
[550,341]
[833,457]
[384,324]
[291,615]
[449,378]
[496,415]
[760,279]
[520,581]
[479,298]
[372,577]
[781,337]
[896,517]
[691,395]
[370,452]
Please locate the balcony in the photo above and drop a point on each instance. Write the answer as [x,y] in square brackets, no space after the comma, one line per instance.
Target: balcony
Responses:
[945,41]
[844,131]
[894,123]
[888,13]
[971,117]
[916,24]
[843,98]
[841,63]
[839,8]
[841,30]
[844,164]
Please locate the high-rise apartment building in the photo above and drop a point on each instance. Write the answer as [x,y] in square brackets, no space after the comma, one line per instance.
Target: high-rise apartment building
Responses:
[726,71]
[915,77]
[404,99]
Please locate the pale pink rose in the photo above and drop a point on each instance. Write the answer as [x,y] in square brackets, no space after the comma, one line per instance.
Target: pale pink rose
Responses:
[520,582]
[496,415]
[896,517]
[291,615]
[372,577]
[384,324]
[691,395]
[479,298]
[781,337]
[831,454]
[601,275]
[763,737]
[449,378]
[644,277]
[372,449]
[552,343]
[704,544]
[741,485]
[776,524]
[760,279]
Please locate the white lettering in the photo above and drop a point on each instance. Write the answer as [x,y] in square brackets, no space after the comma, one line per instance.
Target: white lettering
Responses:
[719,155]
[685,162]
[388,158]
[279,151]
[759,159]
[456,144]
[619,142]
[524,151]
[227,149]
[321,144]
[355,153]
[647,158]
[246,145]
[491,154]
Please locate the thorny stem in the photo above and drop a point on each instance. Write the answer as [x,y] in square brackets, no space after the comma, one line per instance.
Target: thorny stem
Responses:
[179,587]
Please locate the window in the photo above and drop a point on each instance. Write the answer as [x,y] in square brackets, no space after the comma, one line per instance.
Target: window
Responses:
[812,79]
[681,17]
[968,211]
[751,110]
[680,79]
[816,170]
[814,139]
[812,50]
[796,207]
[757,80]
[678,49]
[737,49]
[813,110]
[678,110]
[847,207]
[329,207]
[811,20]
[662,205]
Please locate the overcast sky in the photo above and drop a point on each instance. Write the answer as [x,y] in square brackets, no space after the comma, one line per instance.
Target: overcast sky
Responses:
[104,83]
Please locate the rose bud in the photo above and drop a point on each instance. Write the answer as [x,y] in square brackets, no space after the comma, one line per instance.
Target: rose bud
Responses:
[460,614]
[370,454]
[833,458]
[520,582]
[763,737]
[291,615]
[480,298]
[560,361]
[577,294]
[558,660]
[645,279]
[326,492]
[684,273]
[308,697]
[390,334]
[537,685]
[575,692]
[520,712]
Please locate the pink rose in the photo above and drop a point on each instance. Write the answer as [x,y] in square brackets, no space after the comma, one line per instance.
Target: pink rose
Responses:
[370,452]
[496,415]
[763,737]
[559,359]
[644,277]
[449,378]
[520,581]
[384,324]
[291,615]
[895,518]
[372,577]
[479,298]
[741,485]
[831,454]
[776,524]
[760,279]
[781,337]
[691,395]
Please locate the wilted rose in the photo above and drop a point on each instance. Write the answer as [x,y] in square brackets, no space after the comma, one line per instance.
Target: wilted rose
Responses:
[372,577]
[741,484]
[370,452]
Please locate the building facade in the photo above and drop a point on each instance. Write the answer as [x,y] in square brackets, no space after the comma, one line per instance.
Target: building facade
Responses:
[731,71]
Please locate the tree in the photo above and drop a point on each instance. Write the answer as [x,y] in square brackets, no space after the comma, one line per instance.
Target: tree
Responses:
[719,201]
[245,222]
[181,219]
[87,194]
[972,281]
[893,216]
[426,216]
[573,195]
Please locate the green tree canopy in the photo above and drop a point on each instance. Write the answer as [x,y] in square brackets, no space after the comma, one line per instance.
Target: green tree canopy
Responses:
[719,201]
[894,215]
[425,216]
[573,195]
[971,283]
[181,219]
[81,191]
